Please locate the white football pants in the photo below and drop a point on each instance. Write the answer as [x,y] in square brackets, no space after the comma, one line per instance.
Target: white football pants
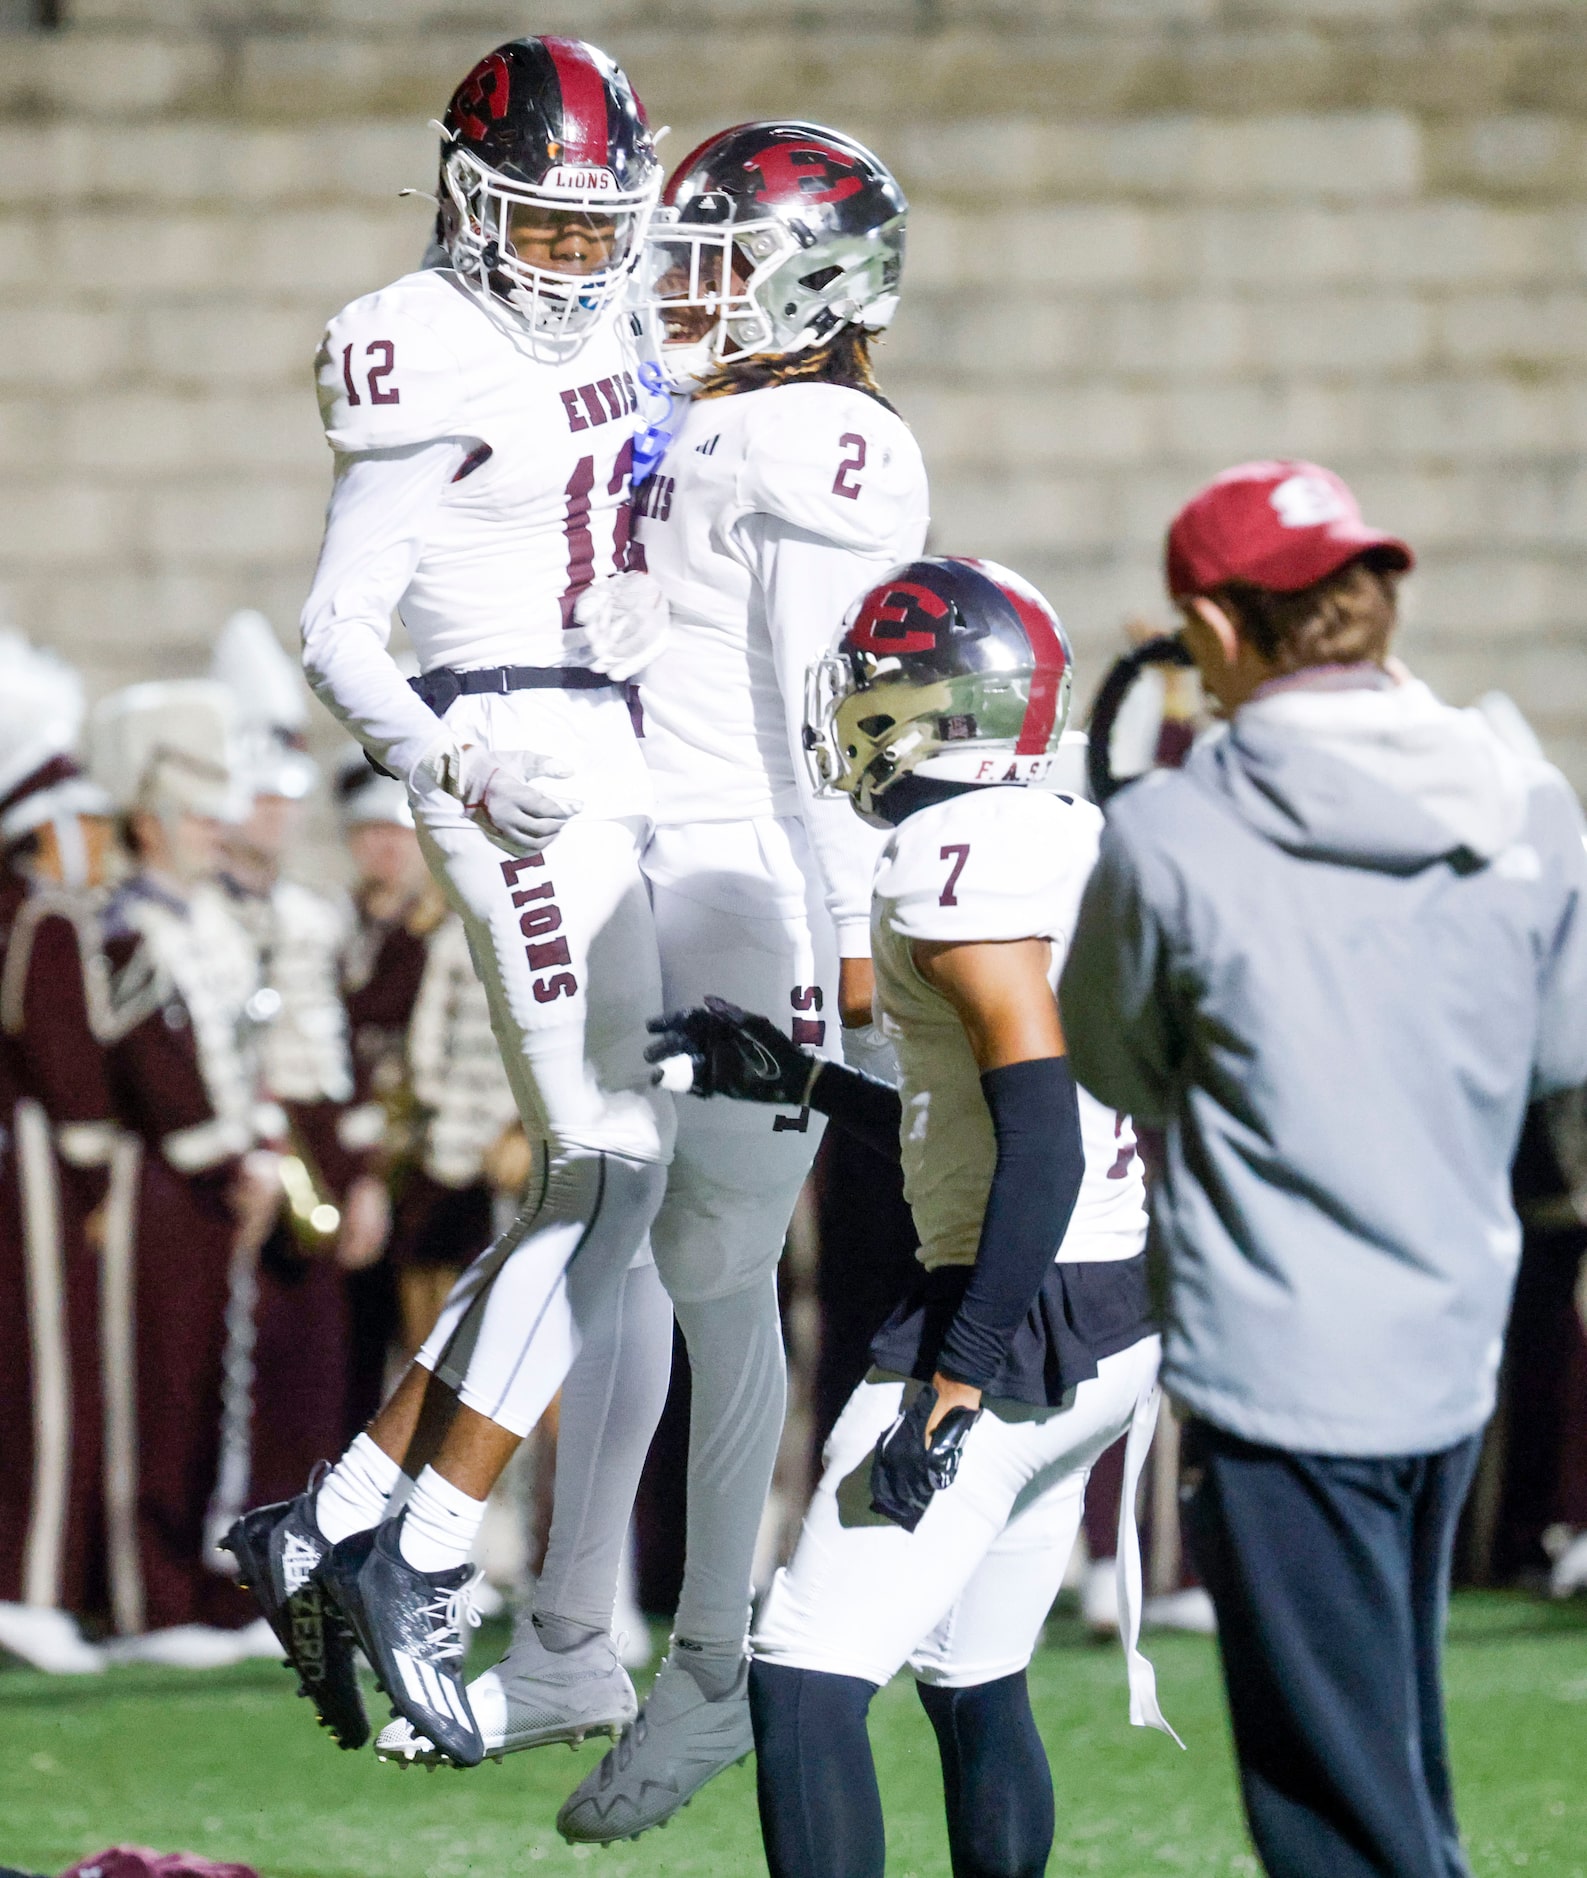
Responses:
[565,946]
[962,1599]
[737,915]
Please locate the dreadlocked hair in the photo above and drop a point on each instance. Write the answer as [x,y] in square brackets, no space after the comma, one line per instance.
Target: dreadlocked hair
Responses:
[845,359]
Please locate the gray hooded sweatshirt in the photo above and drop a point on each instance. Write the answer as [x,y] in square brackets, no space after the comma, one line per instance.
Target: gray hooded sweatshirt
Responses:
[1333,958]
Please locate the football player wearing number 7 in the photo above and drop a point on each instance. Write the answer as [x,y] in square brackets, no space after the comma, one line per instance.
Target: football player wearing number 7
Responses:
[952,1490]
[482,417]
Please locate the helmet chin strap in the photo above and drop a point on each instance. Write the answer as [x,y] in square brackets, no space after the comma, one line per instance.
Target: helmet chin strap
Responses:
[915,791]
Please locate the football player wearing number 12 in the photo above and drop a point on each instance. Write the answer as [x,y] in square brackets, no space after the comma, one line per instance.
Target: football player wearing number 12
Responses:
[482,420]
[953,1480]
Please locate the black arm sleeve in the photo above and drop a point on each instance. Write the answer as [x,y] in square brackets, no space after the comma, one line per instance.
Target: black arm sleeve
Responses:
[1040,1163]
[861,1105]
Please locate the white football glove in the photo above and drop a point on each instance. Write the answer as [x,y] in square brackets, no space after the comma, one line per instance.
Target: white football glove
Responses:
[501,790]
[624,621]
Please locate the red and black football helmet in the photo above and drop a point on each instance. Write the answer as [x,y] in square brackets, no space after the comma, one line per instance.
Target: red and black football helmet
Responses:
[771,238]
[947,668]
[546,134]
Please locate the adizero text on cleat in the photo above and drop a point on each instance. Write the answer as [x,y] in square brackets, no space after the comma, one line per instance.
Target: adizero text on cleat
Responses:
[277,1549]
[409,1624]
[534,1697]
[677,1743]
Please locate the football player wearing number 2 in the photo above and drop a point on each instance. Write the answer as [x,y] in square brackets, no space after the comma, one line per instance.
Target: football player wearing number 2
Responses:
[482,417]
[953,1481]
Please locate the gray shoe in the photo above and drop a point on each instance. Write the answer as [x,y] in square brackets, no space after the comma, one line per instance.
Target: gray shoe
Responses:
[677,1743]
[533,1697]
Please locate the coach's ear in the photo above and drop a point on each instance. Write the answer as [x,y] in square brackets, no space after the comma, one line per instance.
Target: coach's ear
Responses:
[1230,667]
[1212,618]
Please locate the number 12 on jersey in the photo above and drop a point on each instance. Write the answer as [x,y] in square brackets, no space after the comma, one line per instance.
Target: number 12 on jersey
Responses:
[374,379]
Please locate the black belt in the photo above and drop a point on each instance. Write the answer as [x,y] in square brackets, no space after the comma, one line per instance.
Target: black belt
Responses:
[442,688]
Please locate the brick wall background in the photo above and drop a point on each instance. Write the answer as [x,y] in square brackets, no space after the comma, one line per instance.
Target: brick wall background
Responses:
[1149,237]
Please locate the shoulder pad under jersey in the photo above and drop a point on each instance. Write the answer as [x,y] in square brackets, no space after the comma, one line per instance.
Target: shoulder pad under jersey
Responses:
[990,864]
[838,464]
[389,369]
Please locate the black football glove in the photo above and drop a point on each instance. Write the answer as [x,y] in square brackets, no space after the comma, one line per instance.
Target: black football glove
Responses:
[734,1053]
[905,1471]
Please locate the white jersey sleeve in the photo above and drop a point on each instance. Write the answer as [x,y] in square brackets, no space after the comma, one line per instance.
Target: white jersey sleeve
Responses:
[992,864]
[388,374]
[839,465]
[833,494]
[381,504]
[804,585]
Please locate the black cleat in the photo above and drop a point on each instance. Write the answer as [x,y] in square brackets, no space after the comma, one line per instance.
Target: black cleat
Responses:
[409,1625]
[277,1549]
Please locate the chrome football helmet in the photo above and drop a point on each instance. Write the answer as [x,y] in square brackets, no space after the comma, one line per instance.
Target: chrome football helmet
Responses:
[952,669]
[548,180]
[771,237]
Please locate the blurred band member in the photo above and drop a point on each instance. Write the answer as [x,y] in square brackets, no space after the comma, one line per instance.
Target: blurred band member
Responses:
[335,1211]
[55,1140]
[196,1191]
[1332,958]
[395,906]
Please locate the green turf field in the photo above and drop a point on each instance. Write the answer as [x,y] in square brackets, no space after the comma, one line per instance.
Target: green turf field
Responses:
[229,1764]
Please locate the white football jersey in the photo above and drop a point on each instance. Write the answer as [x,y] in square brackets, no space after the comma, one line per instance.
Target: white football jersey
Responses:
[480,486]
[771,513]
[543,511]
[993,864]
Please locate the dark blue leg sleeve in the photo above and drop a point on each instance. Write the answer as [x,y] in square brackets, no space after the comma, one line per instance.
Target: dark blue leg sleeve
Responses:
[995,1778]
[820,1811]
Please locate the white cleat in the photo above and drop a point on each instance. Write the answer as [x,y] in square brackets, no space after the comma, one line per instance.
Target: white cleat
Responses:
[678,1742]
[1099,1598]
[1570,1569]
[196,1646]
[1190,1610]
[47,1639]
[531,1699]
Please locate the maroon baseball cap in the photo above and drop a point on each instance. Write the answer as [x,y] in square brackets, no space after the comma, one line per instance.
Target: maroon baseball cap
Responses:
[1278,525]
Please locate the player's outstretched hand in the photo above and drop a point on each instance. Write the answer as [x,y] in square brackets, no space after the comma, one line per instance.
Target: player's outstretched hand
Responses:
[907,1469]
[506,793]
[732,1053]
[625,623]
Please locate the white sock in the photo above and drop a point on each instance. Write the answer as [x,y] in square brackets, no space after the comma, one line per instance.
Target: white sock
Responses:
[352,1497]
[440,1525]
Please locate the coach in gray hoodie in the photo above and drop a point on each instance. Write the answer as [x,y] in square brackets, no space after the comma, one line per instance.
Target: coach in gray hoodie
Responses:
[1333,958]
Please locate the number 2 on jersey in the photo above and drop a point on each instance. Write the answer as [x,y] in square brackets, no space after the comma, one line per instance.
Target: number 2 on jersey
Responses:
[854,443]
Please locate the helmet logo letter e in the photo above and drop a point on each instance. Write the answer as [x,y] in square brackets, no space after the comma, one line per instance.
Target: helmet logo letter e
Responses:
[882,626]
[488,86]
[787,168]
